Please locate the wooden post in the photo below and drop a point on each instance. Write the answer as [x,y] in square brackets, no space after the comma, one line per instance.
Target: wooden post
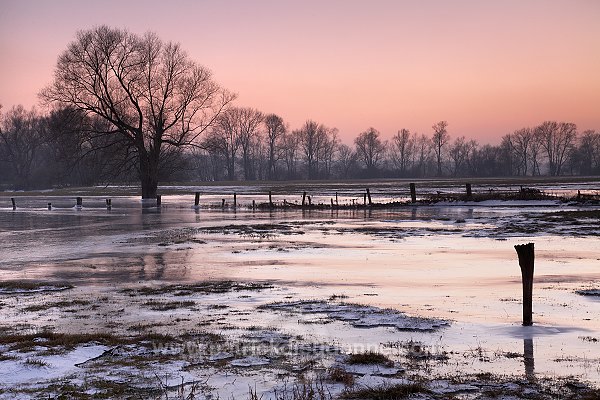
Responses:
[365,199]
[332,203]
[49,206]
[158,200]
[526,255]
[369,197]
[235,200]
[79,201]
[309,201]
[336,199]
[253,205]
[197,199]
[108,204]
[270,200]
[222,203]
[413,193]
[12,199]
[303,199]
[578,194]
[469,193]
[284,203]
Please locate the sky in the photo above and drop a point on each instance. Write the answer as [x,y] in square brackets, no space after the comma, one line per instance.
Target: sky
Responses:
[486,67]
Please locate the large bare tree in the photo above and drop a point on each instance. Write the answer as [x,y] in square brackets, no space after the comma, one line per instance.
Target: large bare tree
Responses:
[154,97]
[276,129]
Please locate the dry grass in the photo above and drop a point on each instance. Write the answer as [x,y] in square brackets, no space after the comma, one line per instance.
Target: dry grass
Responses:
[57,304]
[369,357]
[386,392]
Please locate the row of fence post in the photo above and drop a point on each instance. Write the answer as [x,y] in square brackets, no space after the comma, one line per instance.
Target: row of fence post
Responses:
[367,200]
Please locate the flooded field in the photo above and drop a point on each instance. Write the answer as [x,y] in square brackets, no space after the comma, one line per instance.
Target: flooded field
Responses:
[216,302]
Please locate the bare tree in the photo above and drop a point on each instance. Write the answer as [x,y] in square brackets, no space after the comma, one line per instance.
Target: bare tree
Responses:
[346,161]
[248,122]
[151,93]
[22,136]
[401,151]
[588,153]
[290,147]
[522,141]
[223,139]
[310,138]
[557,140]
[422,153]
[460,152]
[439,140]
[275,130]
[370,150]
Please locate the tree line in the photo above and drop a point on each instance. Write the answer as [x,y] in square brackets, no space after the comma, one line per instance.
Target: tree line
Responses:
[124,107]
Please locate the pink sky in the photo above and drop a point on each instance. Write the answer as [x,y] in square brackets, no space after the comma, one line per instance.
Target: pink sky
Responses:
[487,67]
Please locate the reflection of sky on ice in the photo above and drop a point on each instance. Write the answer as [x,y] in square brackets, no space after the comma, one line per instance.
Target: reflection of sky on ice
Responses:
[418,260]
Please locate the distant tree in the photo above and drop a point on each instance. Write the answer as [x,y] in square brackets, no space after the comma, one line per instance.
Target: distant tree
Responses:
[22,136]
[522,141]
[370,150]
[275,129]
[290,147]
[346,161]
[311,138]
[459,154]
[557,140]
[247,125]
[422,153]
[587,155]
[439,140]
[328,150]
[152,95]
[401,150]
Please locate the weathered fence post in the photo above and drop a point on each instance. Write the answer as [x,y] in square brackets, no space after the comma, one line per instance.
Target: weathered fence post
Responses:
[332,203]
[365,199]
[526,255]
[270,200]
[234,200]
[369,196]
[336,199]
[158,200]
[222,203]
[197,199]
[108,204]
[469,193]
[49,206]
[253,205]
[12,199]
[303,198]
[309,201]
[413,193]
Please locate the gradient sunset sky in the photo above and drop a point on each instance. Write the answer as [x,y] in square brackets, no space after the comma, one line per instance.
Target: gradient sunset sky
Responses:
[487,67]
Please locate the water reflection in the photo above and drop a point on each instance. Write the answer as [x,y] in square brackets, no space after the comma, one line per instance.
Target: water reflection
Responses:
[528,359]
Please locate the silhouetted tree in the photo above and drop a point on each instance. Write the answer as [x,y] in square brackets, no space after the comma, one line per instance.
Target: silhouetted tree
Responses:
[402,149]
[22,136]
[153,96]
[370,150]
[275,128]
[557,140]
[439,140]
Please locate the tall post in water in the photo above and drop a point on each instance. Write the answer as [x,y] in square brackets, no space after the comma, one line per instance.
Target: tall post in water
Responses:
[303,198]
[309,201]
[49,206]
[234,201]
[413,193]
[365,199]
[12,199]
[336,199]
[270,200]
[253,205]
[79,202]
[108,204]
[526,255]
[469,193]
[369,197]
[222,203]
[158,200]
[197,199]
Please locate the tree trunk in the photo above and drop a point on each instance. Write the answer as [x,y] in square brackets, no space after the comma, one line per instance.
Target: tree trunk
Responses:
[148,174]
